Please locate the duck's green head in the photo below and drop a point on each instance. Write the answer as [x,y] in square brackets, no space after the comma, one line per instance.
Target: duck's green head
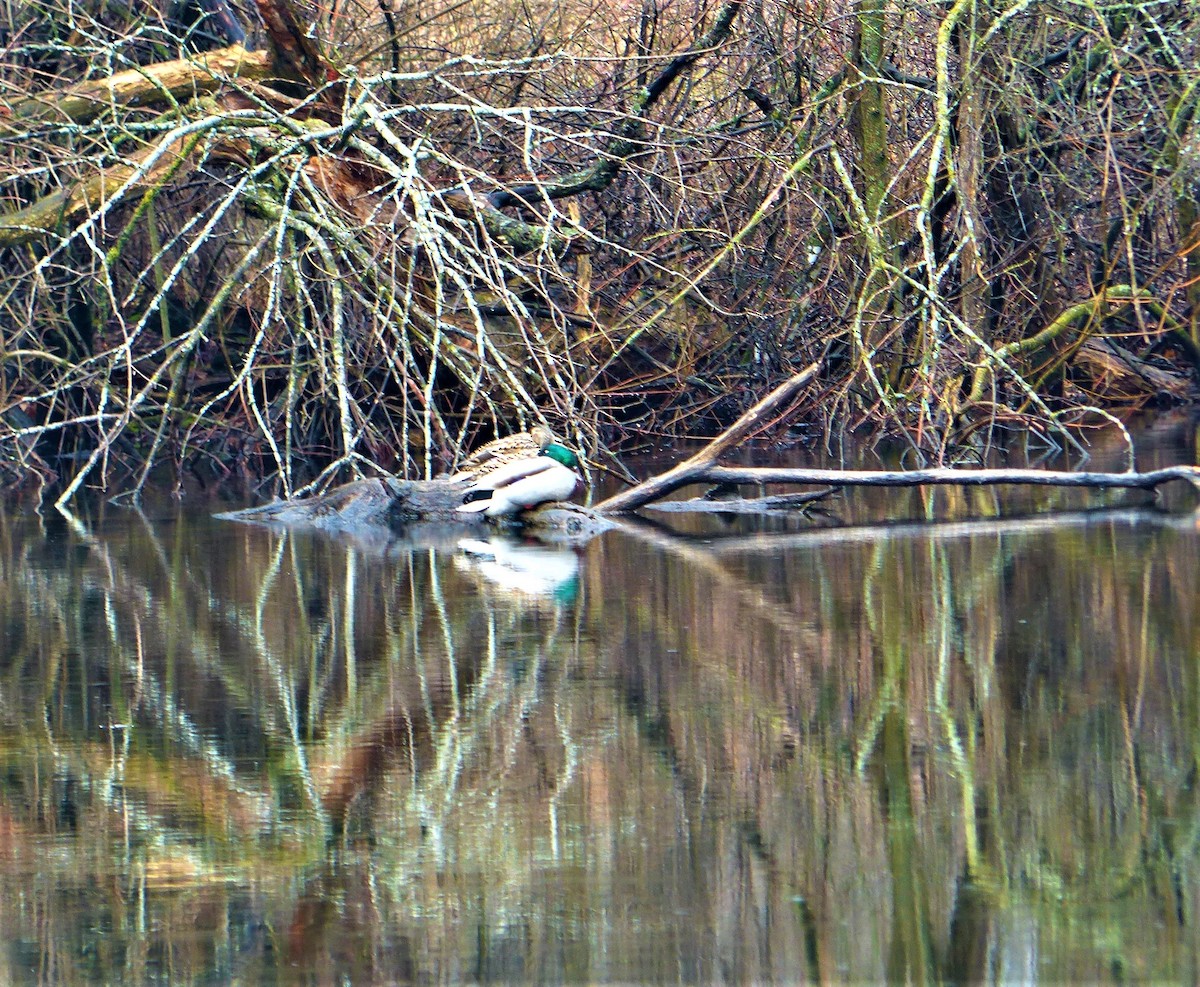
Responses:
[561,454]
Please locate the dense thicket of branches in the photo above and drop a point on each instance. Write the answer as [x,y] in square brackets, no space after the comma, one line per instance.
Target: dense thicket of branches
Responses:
[389,227]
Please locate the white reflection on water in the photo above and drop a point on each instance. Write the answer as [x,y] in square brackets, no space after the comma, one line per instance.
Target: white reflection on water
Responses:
[521,568]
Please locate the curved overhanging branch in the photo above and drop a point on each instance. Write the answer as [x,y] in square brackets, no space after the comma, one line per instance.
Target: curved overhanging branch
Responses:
[683,474]
[628,139]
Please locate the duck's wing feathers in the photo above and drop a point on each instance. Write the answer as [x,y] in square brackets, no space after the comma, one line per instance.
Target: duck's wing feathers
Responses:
[501,450]
[519,445]
[495,454]
[506,474]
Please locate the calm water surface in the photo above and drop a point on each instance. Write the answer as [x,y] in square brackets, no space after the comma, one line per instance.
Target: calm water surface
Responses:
[959,745]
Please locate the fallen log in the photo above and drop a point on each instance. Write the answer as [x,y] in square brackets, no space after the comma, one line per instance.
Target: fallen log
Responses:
[384,502]
[388,504]
[181,79]
[703,467]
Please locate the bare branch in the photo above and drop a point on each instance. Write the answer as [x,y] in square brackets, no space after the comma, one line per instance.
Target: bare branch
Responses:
[694,469]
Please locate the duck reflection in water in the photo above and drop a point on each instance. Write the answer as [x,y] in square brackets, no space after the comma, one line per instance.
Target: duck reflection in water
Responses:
[521,568]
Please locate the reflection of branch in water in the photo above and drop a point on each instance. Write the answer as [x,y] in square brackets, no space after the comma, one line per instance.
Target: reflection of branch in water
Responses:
[698,553]
[443,736]
[167,851]
[153,697]
[452,699]
[284,690]
[405,728]
[160,802]
[252,630]
[718,543]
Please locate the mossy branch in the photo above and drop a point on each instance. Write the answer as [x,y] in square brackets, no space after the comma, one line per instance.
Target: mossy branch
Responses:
[1120,295]
[182,79]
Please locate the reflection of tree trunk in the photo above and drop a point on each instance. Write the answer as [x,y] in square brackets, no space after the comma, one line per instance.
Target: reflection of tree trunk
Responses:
[401,734]
[970,935]
[908,958]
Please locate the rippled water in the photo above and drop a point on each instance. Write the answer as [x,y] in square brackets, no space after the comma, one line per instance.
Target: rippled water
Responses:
[830,749]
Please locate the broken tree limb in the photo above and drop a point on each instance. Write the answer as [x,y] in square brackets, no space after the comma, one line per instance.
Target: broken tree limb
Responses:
[294,47]
[692,470]
[148,169]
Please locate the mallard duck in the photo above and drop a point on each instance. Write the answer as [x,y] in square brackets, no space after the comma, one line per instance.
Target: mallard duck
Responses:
[500,452]
[523,483]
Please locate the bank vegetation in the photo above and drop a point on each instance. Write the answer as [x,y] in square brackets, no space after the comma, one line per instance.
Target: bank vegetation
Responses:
[298,244]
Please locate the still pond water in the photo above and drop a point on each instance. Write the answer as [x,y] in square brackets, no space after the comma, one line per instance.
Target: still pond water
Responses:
[934,736]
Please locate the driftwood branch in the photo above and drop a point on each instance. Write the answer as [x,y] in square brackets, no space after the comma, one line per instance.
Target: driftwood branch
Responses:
[694,470]
[942,476]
